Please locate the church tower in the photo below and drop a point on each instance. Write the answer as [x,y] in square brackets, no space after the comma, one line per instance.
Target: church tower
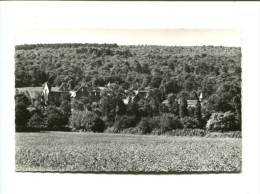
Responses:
[201,97]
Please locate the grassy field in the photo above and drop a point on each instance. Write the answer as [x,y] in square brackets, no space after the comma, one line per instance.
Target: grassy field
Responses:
[89,152]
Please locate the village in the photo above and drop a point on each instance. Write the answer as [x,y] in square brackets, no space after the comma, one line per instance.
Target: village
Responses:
[50,93]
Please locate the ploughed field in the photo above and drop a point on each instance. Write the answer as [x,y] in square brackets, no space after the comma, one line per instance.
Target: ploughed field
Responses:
[92,152]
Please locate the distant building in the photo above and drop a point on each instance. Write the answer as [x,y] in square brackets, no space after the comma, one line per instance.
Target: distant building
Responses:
[201,97]
[83,91]
[190,103]
[136,93]
[53,94]
[48,92]
[30,92]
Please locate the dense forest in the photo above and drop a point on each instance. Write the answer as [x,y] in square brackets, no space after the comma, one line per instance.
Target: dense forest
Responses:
[168,72]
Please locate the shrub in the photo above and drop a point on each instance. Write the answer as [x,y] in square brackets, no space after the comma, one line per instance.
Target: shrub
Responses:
[183,111]
[65,108]
[23,98]
[54,118]
[169,122]
[132,130]
[190,123]
[77,105]
[86,121]
[231,134]
[157,131]
[125,121]
[36,123]
[97,125]
[222,121]
[77,120]
[148,124]
[111,130]
[187,132]
[22,116]
[108,122]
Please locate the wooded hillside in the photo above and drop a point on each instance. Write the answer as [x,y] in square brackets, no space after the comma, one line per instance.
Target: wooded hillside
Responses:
[190,68]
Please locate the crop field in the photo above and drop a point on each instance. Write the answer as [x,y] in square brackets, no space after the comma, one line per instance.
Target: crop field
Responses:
[90,152]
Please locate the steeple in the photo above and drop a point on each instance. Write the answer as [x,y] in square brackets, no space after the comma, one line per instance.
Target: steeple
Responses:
[201,97]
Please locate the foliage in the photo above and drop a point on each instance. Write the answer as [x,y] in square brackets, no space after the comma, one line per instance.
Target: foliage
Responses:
[111,130]
[36,122]
[123,122]
[167,72]
[230,134]
[198,114]
[190,123]
[65,108]
[39,104]
[77,105]
[236,101]
[187,132]
[222,121]
[169,122]
[148,124]
[22,98]
[134,109]
[183,111]
[86,121]
[132,130]
[54,118]
[111,103]
[174,68]
[22,116]
[173,104]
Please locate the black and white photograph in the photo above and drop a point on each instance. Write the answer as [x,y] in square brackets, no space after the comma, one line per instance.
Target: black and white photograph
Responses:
[105,96]
[106,106]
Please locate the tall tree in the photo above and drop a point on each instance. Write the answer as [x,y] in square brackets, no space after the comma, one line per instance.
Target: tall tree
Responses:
[22,116]
[111,102]
[65,108]
[198,112]
[236,101]
[173,104]
[183,111]
[22,98]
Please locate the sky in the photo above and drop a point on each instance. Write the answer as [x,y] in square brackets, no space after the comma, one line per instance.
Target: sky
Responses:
[168,37]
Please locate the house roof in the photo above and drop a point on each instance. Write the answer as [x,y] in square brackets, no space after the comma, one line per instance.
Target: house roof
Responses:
[32,91]
[55,89]
[63,87]
[165,101]
[102,88]
[191,101]
[143,93]
[29,89]
[90,89]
